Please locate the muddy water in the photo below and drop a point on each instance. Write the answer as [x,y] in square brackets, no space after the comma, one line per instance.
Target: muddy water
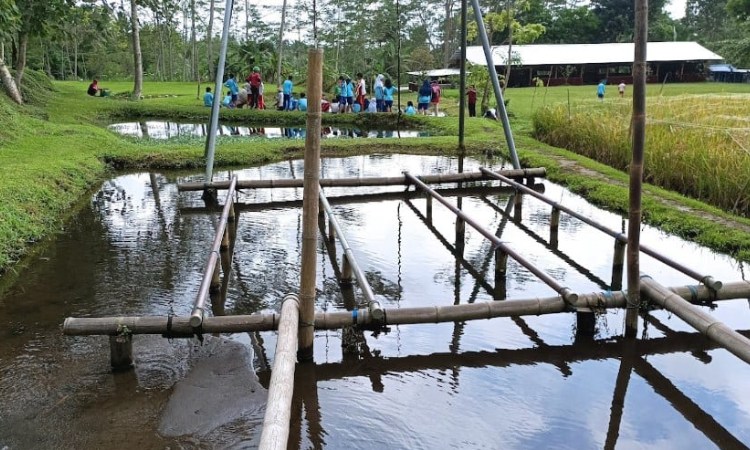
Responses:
[138,248]
[155,129]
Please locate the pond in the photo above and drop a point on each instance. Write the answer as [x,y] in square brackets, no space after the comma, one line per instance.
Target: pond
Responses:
[139,247]
[170,130]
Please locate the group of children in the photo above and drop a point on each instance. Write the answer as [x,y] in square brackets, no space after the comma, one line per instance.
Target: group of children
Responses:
[251,95]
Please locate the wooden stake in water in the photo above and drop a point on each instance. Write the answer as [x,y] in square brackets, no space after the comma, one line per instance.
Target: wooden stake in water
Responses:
[310,205]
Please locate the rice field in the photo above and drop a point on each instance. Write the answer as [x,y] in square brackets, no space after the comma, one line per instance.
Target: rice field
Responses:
[698,145]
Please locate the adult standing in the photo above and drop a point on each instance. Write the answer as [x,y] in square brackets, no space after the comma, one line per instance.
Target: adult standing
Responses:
[287,90]
[379,97]
[254,79]
[471,96]
[361,91]
[435,93]
[234,90]
[424,97]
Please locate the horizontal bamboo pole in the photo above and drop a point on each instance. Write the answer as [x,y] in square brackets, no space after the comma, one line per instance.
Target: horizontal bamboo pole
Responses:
[334,320]
[196,317]
[565,292]
[706,279]
[700,320]
[364,181]
[366,198]
[275,432]
[375,309]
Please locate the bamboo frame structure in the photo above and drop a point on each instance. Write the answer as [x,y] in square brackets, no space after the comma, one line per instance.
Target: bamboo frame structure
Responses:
[705,279]
[210,270]
[275,432]
[109,326]
[310,204]
[567,294]
[375,309]
[539,172]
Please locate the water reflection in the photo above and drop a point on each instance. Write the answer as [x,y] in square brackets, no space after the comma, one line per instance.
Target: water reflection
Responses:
[169,130]
[139,249]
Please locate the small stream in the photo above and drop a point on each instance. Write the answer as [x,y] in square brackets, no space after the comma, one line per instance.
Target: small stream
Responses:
[138,247]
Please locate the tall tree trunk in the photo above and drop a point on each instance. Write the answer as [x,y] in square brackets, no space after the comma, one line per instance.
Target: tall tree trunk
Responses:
[209,50]
[75,56]
[279,76]
[23,42]
[193,43]
[247,22]
[7,79]
[510,46]
[449,31]
[137,56]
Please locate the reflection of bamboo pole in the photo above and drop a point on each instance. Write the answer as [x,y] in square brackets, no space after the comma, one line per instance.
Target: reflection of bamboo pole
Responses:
[365,181]
[278,408]
[334,320]
[310,205]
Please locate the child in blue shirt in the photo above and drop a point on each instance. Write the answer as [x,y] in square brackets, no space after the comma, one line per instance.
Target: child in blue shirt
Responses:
[234,90]
[388,91]
[208,97]
[302,102]
[410,111]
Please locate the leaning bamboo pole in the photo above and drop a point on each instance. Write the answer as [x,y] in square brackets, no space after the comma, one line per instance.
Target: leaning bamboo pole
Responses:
[375,309]
[705,279]
[196,317]
[109,326]
[275,432]
[310,205]
[567,294]
[700,320]
[363,181]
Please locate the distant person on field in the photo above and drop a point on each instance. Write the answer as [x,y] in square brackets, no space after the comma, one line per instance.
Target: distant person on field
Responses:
[410,111]
[208,97]
[361,91]
[288,88]
[94,89]
[388,90]
[491,114]
[302,105]
[379,93]
[621,89]
[261,91]
[435,96]
[600,90]
[471,97]
[255,81]
[234,90]
[279,104]
[425,95]
[349,94]
[325,105]
[372,107]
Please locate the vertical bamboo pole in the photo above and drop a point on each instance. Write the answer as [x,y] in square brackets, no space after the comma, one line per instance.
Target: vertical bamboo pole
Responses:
[501,270]
[346,270]
[310,205]
[636,166]
[554,226]
[331,233]
[462,81]
[618,264]
[121,351]
[428,213]
[518,206]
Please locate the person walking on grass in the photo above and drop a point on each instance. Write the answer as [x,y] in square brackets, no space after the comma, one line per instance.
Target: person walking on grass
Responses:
[621,89]
[600,90]
[424,97]
[435,94]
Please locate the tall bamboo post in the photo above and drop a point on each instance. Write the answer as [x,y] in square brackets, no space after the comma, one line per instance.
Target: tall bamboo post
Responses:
[275,432]
[618,265]
[554,227]
[310,205]
[636,166]
[462,81]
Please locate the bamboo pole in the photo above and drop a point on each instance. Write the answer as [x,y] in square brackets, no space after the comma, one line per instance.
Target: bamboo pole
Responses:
[698,319]
[638,124]
[209,272]
[375,309]
[310,205]
[366,198]
[275,432]
[110,326]
[462,79]
[565,292]
[363,181]
[554,227]
[705,279]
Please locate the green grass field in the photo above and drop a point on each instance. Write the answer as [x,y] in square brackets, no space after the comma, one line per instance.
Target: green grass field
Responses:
[56,148]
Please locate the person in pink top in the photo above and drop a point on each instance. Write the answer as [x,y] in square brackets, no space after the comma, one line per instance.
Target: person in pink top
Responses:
[435,98]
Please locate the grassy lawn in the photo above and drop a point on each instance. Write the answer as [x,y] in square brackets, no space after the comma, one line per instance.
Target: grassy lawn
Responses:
[56,148]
